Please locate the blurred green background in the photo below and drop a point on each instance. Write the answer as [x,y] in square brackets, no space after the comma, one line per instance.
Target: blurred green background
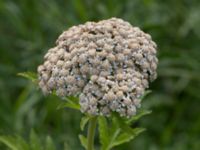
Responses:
[28,28]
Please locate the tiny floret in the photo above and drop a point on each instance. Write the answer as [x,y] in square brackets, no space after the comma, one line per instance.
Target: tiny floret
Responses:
[108,64]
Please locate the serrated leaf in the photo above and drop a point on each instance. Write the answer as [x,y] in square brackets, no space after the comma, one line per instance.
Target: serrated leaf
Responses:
[122,124]
[114,126]
[126,137]
[103,132]
[29,75]
[34,141]
[111,133]
[125,125]
[138,116]
[119,132]
[83,140]
[49,144]
[111,140]
[84,121]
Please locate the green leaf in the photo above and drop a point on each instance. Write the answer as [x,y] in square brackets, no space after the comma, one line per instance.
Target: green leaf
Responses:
[80,9]
[125,124]
[14,142]
[84,121]
[22,143]
[114,125]
[118,132]
[73,102]
[49,144]
[126,137]
[103,132]
[145,94]
[83,140]
[29,75]
[112,140]
[68,105]
[74,99]
[18,143]
[9,142]
[138,116]
[70,102]
[72,105]
[66,146]
[122,124]
[34,141]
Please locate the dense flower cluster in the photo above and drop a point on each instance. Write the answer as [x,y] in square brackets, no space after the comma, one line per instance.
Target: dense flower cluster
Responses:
[107,64]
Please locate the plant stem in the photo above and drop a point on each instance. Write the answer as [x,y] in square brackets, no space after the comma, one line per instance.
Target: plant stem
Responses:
[91,133]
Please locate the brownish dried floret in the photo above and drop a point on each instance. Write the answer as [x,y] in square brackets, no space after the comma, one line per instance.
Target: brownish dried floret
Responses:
[108,64]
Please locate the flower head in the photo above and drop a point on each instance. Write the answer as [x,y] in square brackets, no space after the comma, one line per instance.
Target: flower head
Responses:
[108,64]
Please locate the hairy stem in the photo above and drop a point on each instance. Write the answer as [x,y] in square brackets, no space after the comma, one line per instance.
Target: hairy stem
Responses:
[91,133]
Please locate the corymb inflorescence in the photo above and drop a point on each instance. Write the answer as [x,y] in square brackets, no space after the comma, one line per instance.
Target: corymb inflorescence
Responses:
[108,64]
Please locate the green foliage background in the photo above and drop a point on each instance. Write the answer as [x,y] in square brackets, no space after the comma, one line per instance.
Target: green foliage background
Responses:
[28,28]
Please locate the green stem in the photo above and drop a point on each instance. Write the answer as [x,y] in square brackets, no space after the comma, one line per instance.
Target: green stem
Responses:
[91,133]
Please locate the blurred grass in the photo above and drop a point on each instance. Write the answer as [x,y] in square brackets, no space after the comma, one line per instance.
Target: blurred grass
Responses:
[29,27]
